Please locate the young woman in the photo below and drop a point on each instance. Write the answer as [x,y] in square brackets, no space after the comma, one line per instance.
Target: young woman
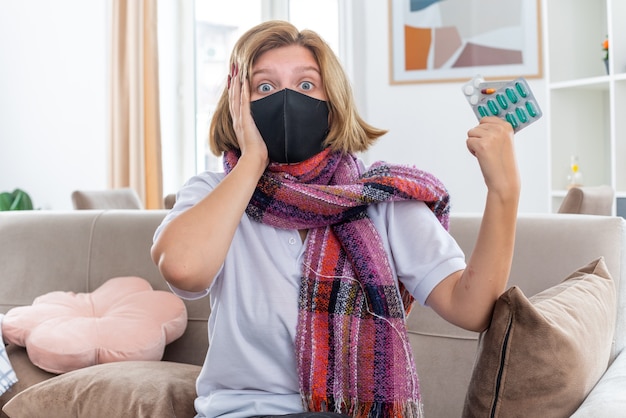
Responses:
[311,261]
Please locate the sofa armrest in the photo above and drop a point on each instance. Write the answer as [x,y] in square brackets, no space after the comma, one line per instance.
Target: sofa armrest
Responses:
[608,397]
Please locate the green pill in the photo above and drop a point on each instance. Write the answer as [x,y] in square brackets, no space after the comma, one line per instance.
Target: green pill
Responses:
[521,115]
[531,109]
[502,101]
[493,107]
[510,93]
[521,89]
[511,119]
[482,111]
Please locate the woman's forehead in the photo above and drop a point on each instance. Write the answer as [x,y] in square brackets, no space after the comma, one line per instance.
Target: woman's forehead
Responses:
[293,55]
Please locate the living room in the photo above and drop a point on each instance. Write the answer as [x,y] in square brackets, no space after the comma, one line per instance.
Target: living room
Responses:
[56,116]
[554,346]
[55,99]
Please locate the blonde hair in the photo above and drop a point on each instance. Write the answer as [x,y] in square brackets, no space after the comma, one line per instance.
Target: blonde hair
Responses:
[348,132]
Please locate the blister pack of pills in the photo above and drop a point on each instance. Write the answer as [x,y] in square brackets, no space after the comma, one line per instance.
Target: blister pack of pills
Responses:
[512,101]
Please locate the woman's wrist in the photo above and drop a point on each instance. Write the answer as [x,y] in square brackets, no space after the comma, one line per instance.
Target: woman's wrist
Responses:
[253,164]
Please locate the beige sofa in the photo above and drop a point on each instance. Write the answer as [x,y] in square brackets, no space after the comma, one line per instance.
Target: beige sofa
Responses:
[45,251]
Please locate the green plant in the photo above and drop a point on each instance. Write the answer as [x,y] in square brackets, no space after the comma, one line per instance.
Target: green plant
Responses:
[18,199]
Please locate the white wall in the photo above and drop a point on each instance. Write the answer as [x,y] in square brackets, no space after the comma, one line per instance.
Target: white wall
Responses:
[427,125]
[53,108]
[53,98]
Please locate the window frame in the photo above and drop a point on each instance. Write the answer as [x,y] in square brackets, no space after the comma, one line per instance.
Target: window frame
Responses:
[185,151]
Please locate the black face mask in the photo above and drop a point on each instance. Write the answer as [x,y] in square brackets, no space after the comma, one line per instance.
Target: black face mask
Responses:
[293,125]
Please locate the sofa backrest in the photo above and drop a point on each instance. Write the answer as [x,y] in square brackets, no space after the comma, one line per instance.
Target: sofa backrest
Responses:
[548,248]
[45,251]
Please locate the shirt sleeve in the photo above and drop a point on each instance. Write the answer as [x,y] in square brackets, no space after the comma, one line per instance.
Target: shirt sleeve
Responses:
[421,249]
[194,190]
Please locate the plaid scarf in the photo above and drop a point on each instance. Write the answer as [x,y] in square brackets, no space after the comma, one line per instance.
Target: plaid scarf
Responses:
[352,348]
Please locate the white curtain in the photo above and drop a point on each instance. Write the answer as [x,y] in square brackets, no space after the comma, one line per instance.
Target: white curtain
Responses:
[135,119]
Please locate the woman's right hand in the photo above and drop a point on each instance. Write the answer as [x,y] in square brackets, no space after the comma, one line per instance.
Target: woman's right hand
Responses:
[248,136]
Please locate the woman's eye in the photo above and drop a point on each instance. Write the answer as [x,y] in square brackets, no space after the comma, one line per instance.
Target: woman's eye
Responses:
[306,85]
[265,88]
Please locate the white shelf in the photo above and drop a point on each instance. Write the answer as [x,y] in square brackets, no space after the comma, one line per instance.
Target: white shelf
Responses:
[600,82]
[585,104]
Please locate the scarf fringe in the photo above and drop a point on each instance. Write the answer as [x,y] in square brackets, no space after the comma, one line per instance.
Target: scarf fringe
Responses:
[409,409]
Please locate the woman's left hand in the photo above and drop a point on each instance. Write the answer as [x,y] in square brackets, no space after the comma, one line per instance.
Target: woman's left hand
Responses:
[491,142]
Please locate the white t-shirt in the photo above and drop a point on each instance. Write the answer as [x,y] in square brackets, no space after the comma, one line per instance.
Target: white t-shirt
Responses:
[250,367]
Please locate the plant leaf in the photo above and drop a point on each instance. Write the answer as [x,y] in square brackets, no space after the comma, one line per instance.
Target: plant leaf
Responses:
[5,201]
[16,200]
[21,200]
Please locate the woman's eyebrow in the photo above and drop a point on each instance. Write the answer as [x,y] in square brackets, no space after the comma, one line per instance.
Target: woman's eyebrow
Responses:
[306,68]
[261,71]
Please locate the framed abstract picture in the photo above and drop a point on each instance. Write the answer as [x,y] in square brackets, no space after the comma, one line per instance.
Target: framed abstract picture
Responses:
[453,40]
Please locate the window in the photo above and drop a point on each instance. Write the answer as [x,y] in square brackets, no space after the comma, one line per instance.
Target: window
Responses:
[219,25]
[195,41]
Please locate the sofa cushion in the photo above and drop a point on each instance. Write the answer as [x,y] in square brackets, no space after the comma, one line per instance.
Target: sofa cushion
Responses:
[542,355]
[124,319]
[608,397]
[28,373]
[130,389]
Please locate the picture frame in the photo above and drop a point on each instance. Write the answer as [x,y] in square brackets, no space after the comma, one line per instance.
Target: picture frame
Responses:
[454,40]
